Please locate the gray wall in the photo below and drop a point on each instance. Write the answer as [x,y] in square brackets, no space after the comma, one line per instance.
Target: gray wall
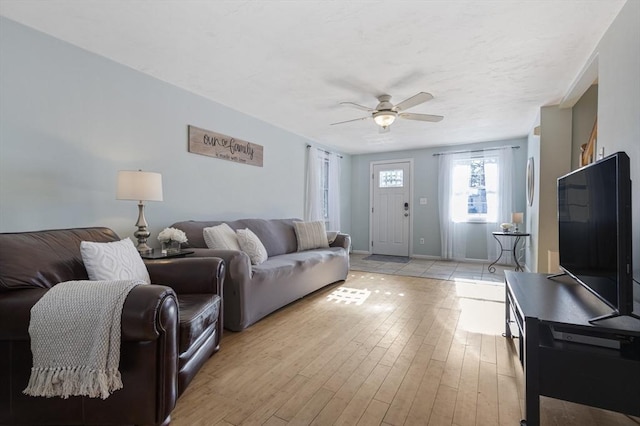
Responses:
[618,109]
[619,103]
[425,185]
[554,160]
[69,120]
[532,217]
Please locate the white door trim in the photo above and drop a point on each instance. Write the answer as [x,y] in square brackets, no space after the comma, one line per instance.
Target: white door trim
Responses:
[379,162]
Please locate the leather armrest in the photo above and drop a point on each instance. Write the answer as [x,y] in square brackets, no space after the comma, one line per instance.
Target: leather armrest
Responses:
[142,312]
[188,275]
[237,283]
[15,312]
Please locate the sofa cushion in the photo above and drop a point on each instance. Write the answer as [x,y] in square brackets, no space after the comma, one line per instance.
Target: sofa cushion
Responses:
[197,313]
[117,260]
[221,237]
[251,244]
[277,235]
[311,235]
[286,264]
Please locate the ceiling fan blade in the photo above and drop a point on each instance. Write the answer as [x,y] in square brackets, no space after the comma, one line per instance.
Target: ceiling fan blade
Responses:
[418,99]
[421,117]
[349,121]
[362,107]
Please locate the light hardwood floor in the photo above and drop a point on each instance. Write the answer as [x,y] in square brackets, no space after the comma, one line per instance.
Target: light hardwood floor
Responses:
[375,350]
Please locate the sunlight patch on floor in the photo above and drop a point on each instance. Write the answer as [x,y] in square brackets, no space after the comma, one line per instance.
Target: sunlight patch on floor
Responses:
[349,295]
[478,289]
[481,306]
[483,317]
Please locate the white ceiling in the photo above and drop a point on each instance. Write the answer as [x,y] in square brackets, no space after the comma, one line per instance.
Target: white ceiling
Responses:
[489,64]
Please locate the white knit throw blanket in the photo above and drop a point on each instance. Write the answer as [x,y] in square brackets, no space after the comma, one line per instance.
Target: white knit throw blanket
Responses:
[75,339]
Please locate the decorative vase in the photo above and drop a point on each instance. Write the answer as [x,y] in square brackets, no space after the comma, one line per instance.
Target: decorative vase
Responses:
[506,227]
[170,247]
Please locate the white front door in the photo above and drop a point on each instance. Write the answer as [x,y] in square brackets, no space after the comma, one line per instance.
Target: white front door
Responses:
[390,213]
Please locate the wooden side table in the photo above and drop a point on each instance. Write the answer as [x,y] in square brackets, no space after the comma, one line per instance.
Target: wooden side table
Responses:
[517,237]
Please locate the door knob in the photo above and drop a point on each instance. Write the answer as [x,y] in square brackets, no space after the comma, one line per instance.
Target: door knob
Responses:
[406,214]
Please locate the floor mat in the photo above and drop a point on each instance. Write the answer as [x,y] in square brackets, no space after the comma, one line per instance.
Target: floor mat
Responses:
[385,258]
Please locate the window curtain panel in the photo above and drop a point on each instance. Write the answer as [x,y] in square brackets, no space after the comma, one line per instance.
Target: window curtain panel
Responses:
[313,202]
[505,206]
[453,231]
[452,180]
[315,188]
[334,192]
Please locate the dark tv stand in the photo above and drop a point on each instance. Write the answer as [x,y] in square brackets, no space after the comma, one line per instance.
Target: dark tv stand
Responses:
[559,274]
[581,369]
[613,314]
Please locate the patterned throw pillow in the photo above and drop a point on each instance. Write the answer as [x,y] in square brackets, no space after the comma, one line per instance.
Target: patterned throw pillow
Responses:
[221,237]
[251,244]
[311,235]
[118,260]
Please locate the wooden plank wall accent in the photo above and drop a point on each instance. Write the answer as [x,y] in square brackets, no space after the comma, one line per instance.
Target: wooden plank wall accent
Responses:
[217,145]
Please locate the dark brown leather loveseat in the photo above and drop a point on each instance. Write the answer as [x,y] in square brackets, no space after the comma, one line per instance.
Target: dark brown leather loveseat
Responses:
[168,330]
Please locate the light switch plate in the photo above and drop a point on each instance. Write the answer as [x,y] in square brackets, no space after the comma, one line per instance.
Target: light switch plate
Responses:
[423,201]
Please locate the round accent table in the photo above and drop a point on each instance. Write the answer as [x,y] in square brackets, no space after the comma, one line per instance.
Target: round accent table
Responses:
[517,236]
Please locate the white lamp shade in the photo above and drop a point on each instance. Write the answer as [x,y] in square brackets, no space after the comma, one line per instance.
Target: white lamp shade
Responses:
[517,217]
[139,185]
[384,118]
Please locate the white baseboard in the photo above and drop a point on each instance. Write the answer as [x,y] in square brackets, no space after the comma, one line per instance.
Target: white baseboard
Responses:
[430,257]
[466,260]
[360,252]
[425,257]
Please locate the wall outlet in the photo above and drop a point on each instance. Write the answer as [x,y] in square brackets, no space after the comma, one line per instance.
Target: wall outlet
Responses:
[421,240]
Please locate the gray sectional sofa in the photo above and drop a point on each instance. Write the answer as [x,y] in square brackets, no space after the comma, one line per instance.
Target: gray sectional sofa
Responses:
[252,292]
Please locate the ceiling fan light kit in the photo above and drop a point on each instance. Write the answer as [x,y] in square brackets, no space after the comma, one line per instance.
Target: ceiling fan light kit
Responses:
[384,118]
[385,113]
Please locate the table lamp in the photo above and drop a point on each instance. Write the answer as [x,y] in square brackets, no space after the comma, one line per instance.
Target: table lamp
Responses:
[140,186]
[516,219]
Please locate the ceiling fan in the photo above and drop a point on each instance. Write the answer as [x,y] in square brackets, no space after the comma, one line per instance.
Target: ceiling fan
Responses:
[385,113]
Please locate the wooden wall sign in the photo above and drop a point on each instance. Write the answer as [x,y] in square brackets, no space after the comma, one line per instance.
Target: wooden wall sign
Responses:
[217,145]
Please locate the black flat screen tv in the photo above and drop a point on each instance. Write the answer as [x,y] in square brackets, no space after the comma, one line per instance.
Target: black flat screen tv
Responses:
[594,229]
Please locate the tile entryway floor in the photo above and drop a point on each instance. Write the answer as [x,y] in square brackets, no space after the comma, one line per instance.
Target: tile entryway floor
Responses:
[438,269]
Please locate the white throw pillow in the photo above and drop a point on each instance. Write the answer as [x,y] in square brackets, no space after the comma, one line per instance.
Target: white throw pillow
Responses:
[311,235]
[118,260]
[221,237]
[251,244]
